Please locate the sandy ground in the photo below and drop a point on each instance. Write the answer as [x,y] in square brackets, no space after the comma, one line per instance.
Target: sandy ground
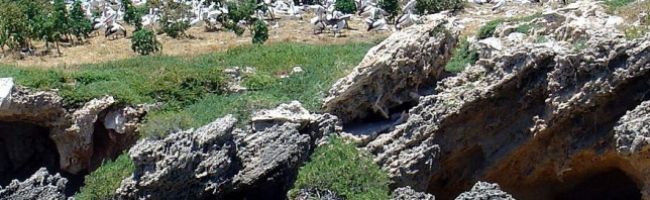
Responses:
[100,49]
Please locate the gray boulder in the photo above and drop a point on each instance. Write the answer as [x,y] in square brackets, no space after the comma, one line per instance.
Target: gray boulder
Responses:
[407,193]
[485,191]
[40,186]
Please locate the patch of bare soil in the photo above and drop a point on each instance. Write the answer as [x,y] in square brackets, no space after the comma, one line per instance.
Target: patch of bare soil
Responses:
[100,49]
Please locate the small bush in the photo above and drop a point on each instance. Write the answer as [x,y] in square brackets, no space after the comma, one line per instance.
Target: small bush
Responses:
[239,11]
[390,6]
[489,29]
[341,168]
[462,57]
[524,28]
[160,124]
[634,32]
[172,21]
[102,183]
[424,7]
[175,29]
[144,42]
[345,6]
[260,32]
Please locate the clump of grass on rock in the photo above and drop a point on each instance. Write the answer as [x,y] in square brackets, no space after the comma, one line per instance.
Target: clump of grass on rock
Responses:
[339,167]
[101,183]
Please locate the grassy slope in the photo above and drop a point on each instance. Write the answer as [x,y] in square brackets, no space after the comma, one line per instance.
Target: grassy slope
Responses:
[190,88]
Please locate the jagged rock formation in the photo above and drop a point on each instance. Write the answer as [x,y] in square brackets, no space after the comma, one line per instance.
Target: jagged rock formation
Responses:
[37,125]
[406,193]
[41,185]
[224,162]
[543,119]
[485,191]
[406,63]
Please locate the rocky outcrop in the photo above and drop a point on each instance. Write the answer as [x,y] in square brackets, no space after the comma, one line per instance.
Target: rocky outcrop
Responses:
[224,162]
[83,136]
[406,193]
[41,185]
[395,72]
[544,120]
[485,191]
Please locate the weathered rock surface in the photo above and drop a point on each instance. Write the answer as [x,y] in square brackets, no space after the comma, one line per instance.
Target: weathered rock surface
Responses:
[292,113]
[406,193]
[485,191]
[223,162]
[74,131]
[633,131]
[41,185]
[544,120]
[394,72]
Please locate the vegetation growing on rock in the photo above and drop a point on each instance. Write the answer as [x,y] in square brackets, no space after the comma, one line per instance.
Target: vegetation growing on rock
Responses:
[462,57]
[339,167]
[101,183]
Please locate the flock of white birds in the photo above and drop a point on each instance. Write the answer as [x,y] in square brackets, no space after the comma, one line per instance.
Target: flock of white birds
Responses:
[327,18]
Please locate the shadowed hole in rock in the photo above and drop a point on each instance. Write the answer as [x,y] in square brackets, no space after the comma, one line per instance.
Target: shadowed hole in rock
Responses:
[24,149]
[376,123]
[609,185]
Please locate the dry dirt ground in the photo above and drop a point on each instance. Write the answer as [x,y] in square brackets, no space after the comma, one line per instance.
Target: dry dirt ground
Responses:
[99,49]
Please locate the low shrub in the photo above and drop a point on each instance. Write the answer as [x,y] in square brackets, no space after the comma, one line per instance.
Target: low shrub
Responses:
[260,32]
[488,29]
[345,6]
[144,42]
[339,167]
[462,56]
[102,183]
[424,7]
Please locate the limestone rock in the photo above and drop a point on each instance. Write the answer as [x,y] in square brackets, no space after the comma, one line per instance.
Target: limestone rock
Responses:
[532,117]
[6,86]
[223,162]
[485,191]
[633,131]
[285,113]
[394,72]
[41,185]
[184,165]
[406,193]
[72,129]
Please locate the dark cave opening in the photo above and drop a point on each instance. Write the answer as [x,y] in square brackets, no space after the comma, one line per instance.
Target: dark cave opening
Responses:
[24,149]
[608,185]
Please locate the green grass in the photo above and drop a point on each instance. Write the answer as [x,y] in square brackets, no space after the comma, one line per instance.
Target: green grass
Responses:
[524,28]
[322,66]
[488,29]
[462,56]
[191,89]
[617,3]
[172,80]
[339,167]
[102,183]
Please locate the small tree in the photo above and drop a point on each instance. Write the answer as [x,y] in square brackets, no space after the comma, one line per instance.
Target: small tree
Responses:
[239,11]
[345,6]
[80,26]
[172,21]
[260,32]
[424,7]
[130,13]
[144,42]
[15,25]
[390,6]
[61,24]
